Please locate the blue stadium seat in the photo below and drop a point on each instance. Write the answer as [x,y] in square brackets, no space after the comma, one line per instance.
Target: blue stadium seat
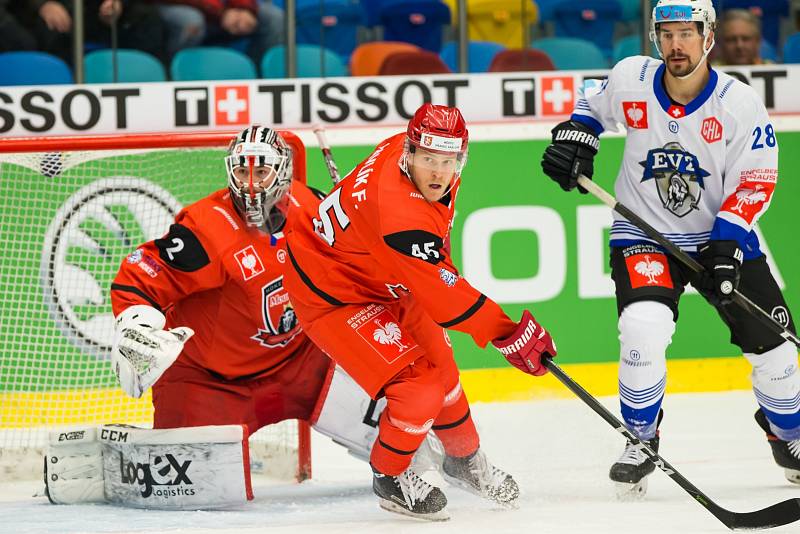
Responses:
[335,27]
[547,10]
[768,51]
[770,12]
[33,68]
[418,22]
[630,46]
[572,54]
[791,49]
[588,19]
[309,62]
[631,10]
[211,63]
[480,53]
[132,66]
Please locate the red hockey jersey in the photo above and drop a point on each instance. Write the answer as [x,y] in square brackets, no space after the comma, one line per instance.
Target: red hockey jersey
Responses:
[214,274]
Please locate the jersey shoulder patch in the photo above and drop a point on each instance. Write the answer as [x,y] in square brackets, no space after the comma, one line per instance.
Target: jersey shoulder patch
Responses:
[181,249]
[420,244]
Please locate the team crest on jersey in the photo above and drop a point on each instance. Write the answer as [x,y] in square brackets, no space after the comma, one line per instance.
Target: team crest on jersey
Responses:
[678,177]
[249,262]
[635,114]
[280,321]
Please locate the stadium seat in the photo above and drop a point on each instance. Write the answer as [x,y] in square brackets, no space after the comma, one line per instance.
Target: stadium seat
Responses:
[332,24]
[499,21]
[418,22]
[132,66]
[791,49]
[630,46]
[768,51]
[480,55]
[521,60]
[368,57]
[312,62]
[571,54]
[770,12]
[419,62]
[588,19]
[211,63]
[33,68]
[547,9]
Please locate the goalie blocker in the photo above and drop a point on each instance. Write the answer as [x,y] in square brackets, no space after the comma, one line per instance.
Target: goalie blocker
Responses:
[200,467]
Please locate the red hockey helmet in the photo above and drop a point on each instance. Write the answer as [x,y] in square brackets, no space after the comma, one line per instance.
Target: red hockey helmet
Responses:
[438,129]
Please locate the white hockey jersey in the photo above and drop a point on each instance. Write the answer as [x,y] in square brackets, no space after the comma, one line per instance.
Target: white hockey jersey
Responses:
[702,171]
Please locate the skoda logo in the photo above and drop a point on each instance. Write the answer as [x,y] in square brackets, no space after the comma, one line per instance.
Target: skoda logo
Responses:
[90,235]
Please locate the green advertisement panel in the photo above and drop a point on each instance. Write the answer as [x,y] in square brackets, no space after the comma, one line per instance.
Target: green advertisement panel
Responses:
[65,226]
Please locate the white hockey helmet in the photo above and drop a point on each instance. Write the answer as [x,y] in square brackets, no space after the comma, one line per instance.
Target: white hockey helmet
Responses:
[684,11]
[258,146]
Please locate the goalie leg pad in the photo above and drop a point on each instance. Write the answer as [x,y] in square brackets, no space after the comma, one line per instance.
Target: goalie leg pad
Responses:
[645,332]
[776,384]
[171,469]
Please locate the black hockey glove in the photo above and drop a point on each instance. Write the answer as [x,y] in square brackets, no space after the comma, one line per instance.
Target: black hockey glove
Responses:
[570,154]
[722,260]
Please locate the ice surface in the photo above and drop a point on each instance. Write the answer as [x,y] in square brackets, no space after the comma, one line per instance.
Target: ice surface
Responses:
[559,451]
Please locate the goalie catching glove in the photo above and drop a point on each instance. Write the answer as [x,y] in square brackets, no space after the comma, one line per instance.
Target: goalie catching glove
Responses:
[143,350]
[525,348]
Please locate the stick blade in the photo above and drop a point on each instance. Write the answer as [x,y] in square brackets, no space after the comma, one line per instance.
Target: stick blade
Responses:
[776,515]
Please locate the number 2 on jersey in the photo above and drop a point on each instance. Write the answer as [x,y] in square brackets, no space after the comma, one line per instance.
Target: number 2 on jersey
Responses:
[769,137]
[324,225]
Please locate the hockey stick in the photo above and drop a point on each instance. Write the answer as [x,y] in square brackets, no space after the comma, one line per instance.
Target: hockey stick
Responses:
[322,139]
[737,297]
[776,515]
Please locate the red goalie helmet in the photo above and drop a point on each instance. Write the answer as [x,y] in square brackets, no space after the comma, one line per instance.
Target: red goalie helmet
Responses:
[438,129]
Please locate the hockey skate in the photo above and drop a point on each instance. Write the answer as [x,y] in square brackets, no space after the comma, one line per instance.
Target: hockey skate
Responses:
[410,495]
[475,474]
[786,453]
[630,472]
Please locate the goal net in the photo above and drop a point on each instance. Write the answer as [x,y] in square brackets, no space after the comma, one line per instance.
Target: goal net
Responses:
[72,209]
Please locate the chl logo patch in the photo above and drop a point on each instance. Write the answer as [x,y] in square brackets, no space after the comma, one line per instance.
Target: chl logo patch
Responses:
[635,114]
[711,130]
[249,262]
[381,330]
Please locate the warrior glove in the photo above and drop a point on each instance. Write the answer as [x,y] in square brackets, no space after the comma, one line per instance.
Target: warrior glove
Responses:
[570,154]
[722,260]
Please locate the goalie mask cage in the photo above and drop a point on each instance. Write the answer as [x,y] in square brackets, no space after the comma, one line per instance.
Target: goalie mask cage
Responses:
[72,209]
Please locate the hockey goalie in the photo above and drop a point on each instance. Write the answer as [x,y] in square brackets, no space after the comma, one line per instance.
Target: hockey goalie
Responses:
[203,318]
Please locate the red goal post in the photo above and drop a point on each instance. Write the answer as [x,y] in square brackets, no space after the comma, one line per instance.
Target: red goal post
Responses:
[74,207]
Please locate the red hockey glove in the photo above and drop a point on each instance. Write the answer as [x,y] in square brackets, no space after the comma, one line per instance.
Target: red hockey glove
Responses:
[525,347]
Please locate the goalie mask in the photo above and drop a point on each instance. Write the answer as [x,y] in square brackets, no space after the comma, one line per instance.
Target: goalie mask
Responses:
[259,165]
[439,130]
[701,11]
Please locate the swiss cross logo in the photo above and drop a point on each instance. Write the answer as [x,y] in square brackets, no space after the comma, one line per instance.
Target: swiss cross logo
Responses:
[417,19]
[381,330]
[329,21]
[231,105]
[558,95]
[647,270]
[589,14]
[676,111]
[249,262]
[635,114]
[711,130]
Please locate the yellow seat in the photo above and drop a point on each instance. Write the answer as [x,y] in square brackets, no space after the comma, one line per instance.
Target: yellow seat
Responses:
[499,21]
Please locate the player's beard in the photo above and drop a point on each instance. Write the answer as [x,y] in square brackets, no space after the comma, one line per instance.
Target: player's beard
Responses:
[681,69]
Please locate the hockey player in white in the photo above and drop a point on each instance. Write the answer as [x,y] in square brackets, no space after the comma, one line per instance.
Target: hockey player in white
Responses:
[700,165]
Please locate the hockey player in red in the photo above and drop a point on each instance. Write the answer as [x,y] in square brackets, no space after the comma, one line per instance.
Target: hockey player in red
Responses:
[202,314]
[374,287]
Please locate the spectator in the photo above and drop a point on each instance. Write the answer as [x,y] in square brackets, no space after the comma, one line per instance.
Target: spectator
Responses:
[740,34]
[49,25]
[13,33]
[196,22]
